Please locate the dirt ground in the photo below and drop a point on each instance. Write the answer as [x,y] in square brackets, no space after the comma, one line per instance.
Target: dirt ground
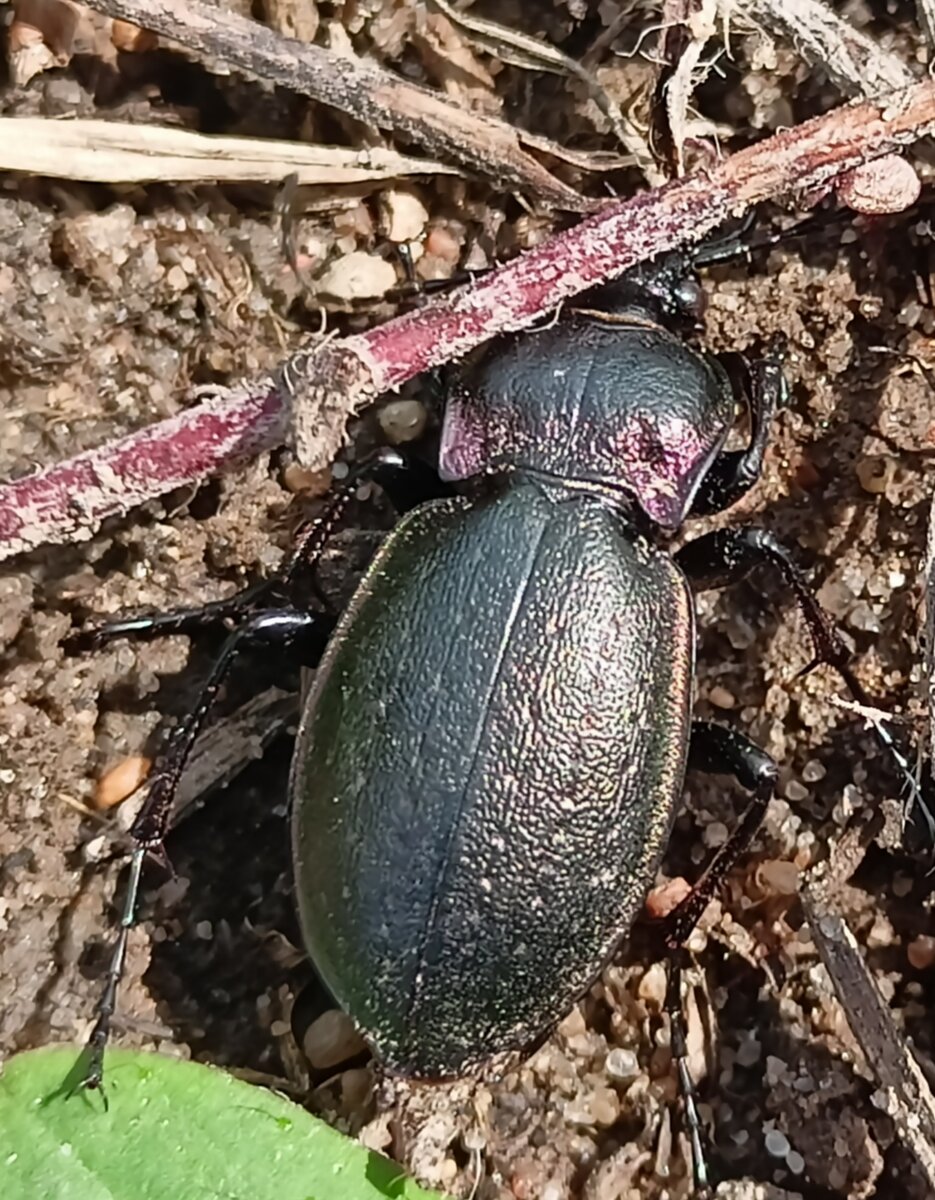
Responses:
[116,301]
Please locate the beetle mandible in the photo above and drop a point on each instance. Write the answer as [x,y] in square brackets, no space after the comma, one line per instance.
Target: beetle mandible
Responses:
[494,748]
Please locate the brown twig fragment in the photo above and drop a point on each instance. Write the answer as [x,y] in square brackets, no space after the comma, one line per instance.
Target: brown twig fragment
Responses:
[904,1094]
[323,386]
[364,90]
[854,61]
[530,54]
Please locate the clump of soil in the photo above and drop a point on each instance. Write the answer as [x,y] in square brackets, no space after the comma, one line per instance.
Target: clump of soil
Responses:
[115,301]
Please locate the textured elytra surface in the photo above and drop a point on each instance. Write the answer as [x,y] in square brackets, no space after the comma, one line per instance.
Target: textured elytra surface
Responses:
[478,820]
[98,343]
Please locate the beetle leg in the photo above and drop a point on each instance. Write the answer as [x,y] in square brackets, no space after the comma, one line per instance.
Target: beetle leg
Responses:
[726,556]
[679,1046]
[718,750]
[288,587]
[409,481]
[760,386]
[304,631]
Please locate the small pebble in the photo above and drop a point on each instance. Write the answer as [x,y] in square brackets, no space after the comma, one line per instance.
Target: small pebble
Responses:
[715,834]
[652,988]
[748,1052]
[605,1106]
[131,39]
[921,952]
[298,479]
[402,420]
[778,875]
[886,185]
[795,1162]
[404,215]
[356,1088]
[357,276]
[622,1064]
[777,1144]
[662,899]
[121,781]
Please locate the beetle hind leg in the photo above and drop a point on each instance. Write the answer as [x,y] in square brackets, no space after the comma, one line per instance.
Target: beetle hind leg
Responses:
[718,750]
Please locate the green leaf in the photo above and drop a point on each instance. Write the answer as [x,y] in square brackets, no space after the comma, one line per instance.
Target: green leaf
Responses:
[172,1130]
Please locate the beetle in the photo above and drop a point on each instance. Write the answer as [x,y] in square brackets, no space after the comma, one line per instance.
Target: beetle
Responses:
[494,748]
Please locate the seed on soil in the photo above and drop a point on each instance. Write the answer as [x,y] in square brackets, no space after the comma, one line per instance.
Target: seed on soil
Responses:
[402,421]
[874,474]
[121,781]
[331,1039]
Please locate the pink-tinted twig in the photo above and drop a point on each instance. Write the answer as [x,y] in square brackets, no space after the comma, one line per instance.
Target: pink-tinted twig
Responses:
[323,386]
[68,502]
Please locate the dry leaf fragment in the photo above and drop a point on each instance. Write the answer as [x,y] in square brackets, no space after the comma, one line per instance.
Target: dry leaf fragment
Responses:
[41,36]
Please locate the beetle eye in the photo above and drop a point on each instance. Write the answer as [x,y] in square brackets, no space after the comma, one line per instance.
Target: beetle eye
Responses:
[690,298]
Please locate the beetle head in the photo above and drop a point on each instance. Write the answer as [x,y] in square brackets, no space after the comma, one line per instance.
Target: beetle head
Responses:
[666,291]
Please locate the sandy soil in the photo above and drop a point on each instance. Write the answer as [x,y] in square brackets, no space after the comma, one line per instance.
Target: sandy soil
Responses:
[115,301]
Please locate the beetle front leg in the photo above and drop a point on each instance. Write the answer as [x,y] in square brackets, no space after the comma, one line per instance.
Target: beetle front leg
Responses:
[717,750]
[760,385]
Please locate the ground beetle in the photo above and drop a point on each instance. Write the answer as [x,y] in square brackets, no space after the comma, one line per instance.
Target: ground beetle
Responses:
[495,745]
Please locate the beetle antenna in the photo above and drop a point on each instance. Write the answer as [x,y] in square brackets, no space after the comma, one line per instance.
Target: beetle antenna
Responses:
[740,241]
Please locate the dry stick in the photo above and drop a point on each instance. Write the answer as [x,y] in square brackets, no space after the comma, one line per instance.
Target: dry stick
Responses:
[355,86]
[325,386]
[113,152]
[854,61]
[904,1094]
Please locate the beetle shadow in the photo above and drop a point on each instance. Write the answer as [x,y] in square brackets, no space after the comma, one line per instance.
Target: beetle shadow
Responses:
[818,1099]
[222,922]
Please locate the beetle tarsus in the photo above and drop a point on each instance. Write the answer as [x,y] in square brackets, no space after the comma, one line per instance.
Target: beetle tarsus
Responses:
[679,1045]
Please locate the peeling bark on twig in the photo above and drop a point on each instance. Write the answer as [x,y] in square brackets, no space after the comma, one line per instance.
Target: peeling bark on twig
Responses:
[362,89]
[68,502]
[325,385]
[854,61]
